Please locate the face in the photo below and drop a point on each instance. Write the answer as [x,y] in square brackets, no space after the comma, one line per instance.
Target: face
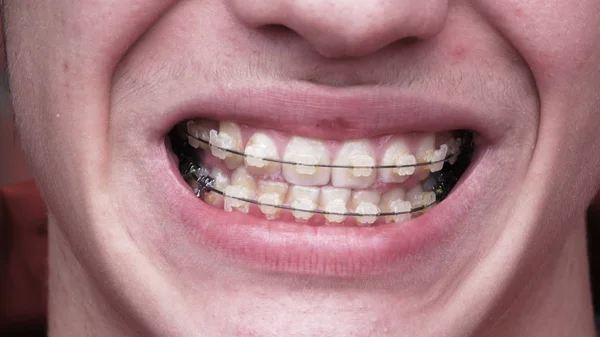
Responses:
[107,93]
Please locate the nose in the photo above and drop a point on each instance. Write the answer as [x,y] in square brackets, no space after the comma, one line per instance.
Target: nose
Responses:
[347,28]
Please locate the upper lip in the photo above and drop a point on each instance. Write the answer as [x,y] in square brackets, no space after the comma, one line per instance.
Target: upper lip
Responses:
[337,113]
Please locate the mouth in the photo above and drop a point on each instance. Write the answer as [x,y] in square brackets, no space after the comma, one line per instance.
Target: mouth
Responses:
[327,190]
[272,175]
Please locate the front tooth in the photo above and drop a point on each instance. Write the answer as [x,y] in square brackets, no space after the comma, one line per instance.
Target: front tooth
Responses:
[365,202]
[439,156]
[221,183]
[394,201]
[418,198]
[272,193]
[229,137]
[424,152]
[261,146]
[397,153]
[354,153]
[242,186]
[303,198]
[309,152]
[334,200]
[195,132]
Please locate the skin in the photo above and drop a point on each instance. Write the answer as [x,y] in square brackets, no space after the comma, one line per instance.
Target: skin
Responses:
[87,78]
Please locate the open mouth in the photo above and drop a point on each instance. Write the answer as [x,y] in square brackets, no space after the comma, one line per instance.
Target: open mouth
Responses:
[360,182]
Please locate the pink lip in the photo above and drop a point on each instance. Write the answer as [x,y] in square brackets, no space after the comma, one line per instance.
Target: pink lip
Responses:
[335,113]
[331,251]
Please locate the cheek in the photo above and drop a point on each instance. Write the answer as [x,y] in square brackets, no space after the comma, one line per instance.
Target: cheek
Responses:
[65,72]
[559,42]
[555,38]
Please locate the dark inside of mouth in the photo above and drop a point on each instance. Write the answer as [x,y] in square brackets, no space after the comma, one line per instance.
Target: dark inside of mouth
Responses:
[446,179]
[440,182]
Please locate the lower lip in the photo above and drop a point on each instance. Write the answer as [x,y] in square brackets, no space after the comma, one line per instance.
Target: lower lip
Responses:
[288,247]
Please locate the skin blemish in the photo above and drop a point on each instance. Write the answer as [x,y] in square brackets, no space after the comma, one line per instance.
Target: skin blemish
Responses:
[458,53]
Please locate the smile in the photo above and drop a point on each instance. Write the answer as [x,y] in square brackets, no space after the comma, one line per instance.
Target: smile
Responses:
[358,182]
[326,189]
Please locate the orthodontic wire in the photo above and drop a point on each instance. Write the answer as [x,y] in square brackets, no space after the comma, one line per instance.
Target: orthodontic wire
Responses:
[206,184]
[285,162]
[319,211]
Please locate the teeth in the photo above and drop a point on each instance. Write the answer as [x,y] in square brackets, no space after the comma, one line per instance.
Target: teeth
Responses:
[307,190]
[366,208]
[229,137]
[273,193]
[397,153]
[261,146]
[439,156]
[418,198]
[424,152]
[242,186]
[305,198]
[221,183]
[454,148]
[306,151]
[354,153]
[197,131]
[394,201]
[365,202]
[334,200]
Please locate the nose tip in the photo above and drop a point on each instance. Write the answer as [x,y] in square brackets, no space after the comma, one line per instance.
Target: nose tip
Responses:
[347,28]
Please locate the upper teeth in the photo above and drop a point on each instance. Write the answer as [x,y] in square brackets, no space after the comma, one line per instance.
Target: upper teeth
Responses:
[424,152]
[439,156]
[306,152]
[196,132]
[354,153]
[261,146]
[398,153]
[229,137]
[352,166]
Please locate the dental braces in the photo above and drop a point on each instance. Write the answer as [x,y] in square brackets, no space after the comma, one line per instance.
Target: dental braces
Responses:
[205,184]
[448,157]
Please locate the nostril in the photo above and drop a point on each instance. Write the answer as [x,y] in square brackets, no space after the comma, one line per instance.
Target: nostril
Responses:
[344,29]
[279,33]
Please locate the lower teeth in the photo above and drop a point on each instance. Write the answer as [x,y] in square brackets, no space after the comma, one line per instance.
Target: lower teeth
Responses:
[306,204]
